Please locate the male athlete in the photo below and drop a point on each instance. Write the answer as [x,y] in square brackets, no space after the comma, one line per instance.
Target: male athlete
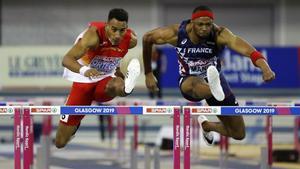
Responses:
[198,42]
[93,66]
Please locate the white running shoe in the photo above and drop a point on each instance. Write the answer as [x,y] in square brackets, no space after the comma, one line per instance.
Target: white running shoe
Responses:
[208,136]
[214,83]
[133,72]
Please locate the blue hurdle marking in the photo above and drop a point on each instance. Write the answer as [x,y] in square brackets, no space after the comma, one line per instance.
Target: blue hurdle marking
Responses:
[154,110]
[102,110]
[114,110]
[244,110]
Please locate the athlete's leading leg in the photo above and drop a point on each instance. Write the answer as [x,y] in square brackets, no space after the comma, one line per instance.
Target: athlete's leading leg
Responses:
[195,89]
[232,126]
[63,134]
[81,94]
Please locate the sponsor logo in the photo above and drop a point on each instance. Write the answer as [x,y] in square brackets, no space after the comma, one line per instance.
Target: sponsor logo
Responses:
[210,43]
[42,110]
[159,110]
[6,110]
[202,110]
[205,110]
[3,110]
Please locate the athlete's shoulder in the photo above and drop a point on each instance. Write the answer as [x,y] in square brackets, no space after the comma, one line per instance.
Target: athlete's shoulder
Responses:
[174,27]
[220,29]
[170,30]
[224,35]
[98,24]
[90,38]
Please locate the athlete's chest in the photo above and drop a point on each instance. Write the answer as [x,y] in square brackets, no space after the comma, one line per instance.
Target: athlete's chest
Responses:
[108,50]
[206,49]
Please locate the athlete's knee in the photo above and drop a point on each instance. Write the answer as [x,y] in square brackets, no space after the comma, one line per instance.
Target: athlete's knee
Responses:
[110,88]
[120,85]
[60,141]
[115,87]
[115,84]
[186,88]
[238,134]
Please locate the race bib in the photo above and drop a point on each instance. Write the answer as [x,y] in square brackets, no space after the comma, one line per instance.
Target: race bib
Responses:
[200,67]
[105,65]
[64,118]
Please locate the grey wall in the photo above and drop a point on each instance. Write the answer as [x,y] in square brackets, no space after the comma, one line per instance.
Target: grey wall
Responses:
[251,22]
[292,22]
[58,22]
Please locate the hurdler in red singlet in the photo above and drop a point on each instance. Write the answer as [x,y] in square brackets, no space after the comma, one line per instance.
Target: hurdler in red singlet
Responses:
[92,64]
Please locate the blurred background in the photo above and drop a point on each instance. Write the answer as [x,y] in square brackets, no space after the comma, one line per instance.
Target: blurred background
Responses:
[35,35]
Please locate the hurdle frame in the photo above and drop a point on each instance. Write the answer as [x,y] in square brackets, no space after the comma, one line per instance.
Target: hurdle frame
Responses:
[142,110]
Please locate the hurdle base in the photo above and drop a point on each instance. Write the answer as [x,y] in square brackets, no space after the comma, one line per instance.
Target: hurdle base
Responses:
[285,155]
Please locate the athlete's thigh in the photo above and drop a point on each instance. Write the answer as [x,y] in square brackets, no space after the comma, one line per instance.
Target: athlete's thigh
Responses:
[195,87]
[189,83]
[81,95]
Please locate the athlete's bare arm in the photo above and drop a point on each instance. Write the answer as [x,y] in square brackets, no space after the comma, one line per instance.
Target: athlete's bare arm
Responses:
[89,40]
[159,36]
[236,43]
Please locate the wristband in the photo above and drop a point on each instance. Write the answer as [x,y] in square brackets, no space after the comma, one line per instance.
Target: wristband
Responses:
[255,56]
[83,69]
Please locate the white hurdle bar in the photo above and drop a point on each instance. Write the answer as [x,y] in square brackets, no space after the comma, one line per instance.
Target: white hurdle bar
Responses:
[140,110]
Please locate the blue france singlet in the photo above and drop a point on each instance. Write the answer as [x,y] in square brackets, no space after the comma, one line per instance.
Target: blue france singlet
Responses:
[194,59]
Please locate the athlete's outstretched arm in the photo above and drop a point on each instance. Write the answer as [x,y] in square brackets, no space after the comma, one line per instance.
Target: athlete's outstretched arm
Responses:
[159,36]
[88,41]
[236,43]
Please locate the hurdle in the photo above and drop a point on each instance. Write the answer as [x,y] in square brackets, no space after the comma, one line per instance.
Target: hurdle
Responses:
[44,151]
[268,111]
[174,111]
[23,135]
[23,132]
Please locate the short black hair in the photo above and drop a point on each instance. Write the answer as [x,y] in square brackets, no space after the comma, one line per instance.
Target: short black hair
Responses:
[202,8]
[119,14]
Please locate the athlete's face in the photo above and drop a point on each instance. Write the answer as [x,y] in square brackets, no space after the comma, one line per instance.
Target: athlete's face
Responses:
[202,26]
[116,30]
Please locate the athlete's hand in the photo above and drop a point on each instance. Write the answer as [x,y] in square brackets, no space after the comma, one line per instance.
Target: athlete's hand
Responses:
[119,74]
[151,82]
[93,73]
[267,74]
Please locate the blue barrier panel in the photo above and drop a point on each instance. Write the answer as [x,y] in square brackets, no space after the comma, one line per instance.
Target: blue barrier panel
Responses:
[101,110]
